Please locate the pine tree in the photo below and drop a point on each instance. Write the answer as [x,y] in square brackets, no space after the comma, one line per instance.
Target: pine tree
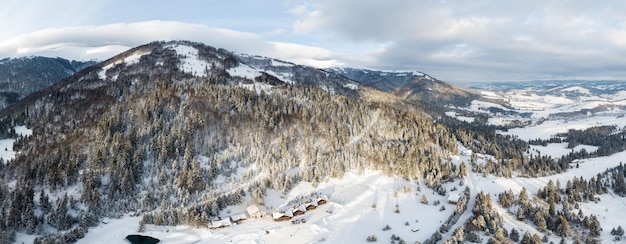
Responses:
[30,221]
[594,227]
[523,196]
[527,239]
[520,214]
[514,235]
[617,232]
[540,221]
[562,229]
[14,220]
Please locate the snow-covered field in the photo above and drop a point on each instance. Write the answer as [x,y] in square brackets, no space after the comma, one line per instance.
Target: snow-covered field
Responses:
[556,150]
[360,205]
[549,128]
[6,145]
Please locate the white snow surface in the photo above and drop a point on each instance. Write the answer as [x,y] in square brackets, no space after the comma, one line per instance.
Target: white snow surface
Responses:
[549,128]
[191,63]
[362,204]
[556,150]
[22,130]
[6,145]
[483,106]
[130,60]
[577,89]
[6,149]
[560,107]
[461,118]
[351,86]
[286,77]
[349,217]
[245,71]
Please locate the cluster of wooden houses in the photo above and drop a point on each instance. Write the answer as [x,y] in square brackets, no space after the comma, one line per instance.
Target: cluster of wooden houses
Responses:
[258,212]
[299,209]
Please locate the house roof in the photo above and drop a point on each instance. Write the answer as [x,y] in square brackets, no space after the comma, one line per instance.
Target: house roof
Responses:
[322,197]
[287,213]
[300,207]
[239,216]
[220,223]
[454,197]
[252,209]
[311,202]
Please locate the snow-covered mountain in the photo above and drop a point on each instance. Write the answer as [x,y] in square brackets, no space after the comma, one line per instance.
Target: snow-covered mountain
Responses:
[22,76]
[187,131]
[411,85]
[194,144]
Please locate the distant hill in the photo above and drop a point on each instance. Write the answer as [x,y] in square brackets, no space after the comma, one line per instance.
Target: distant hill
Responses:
[411,85]
[22,76]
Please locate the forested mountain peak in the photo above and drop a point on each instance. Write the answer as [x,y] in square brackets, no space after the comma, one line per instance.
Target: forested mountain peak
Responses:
[180,130]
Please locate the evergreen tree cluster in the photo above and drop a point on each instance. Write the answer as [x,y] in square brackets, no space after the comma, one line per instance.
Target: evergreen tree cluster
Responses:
[608,139]
[486,219]
[509,151]
[554,210]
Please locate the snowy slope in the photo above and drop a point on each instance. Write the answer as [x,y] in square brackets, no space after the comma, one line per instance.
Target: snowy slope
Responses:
[349,217]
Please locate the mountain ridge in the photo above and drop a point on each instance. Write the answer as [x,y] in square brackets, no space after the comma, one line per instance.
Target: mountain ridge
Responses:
[22,76]
[411,85]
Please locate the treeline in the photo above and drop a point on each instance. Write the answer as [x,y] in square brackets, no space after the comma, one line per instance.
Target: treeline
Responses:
[509,151]
[608,138]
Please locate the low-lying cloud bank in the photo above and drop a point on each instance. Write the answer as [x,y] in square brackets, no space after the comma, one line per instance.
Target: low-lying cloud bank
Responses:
[103,42]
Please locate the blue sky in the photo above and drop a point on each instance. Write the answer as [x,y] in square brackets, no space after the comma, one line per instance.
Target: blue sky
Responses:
[456,41]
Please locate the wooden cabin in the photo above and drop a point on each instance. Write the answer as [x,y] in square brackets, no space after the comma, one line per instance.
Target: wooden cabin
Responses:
[323,199]
[299,210]
[282,216]
[310,205]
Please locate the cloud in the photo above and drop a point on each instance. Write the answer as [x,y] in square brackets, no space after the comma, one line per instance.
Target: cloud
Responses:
[100,42]
[479,40]
[306,55]
[103,42]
